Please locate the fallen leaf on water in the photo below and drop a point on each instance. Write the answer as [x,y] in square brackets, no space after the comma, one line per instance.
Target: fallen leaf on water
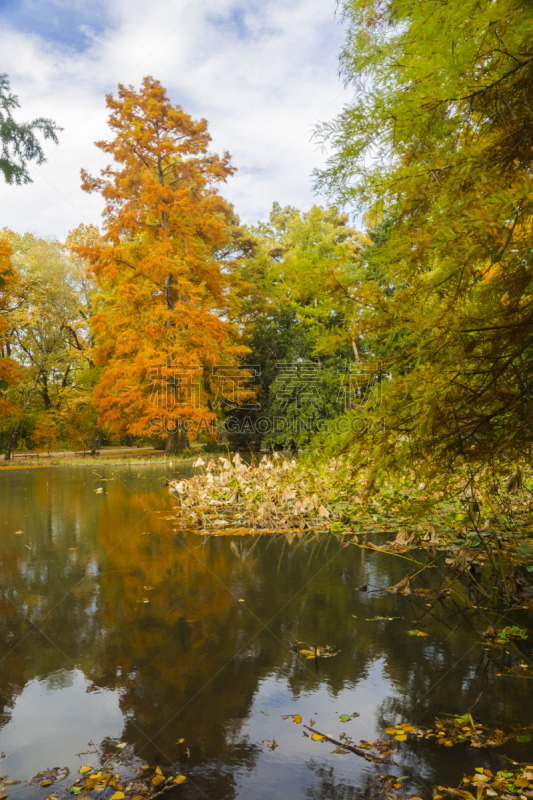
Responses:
[271,744]
[2,796]
[180,779]
[296,718]
[306,735]
[99,491]
[117,796]
[264,712]
[416,633]
[158,771]
[49,775]
[180,741]
[157,779]
[46,783]
[402,587]
[17,533]
[84,769]
[345,717]
[401,737]
[317,737]
[121,745]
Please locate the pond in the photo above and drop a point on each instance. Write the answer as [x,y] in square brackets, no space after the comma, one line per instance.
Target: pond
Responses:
[116,625]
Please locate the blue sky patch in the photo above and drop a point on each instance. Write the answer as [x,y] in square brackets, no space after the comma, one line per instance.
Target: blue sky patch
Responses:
[61,21]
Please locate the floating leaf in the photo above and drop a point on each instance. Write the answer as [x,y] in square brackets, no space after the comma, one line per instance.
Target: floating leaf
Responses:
[84,769]
[180,741]
[317,737]
[117,796]
[401,737]
[46,783]
[121,745]
[345,717]
[157,780]
[180,779]
[416,633]
[390,730]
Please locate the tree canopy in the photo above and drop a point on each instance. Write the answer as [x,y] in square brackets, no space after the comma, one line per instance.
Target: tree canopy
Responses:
[436,149]
[19,141]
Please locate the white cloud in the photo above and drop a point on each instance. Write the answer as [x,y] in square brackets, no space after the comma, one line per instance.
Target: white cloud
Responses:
[261,73]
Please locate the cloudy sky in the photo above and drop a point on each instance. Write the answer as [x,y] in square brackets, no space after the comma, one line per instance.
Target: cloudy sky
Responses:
[262,72]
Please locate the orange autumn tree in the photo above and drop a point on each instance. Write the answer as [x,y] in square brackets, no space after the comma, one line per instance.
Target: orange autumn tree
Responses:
[159,324]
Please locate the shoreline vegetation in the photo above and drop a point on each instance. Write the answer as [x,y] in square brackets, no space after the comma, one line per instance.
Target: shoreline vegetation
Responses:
[480,538]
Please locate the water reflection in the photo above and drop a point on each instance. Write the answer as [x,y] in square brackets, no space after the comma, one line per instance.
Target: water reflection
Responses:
[207,658]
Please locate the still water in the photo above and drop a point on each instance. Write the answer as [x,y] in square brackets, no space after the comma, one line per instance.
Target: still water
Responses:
[208,659]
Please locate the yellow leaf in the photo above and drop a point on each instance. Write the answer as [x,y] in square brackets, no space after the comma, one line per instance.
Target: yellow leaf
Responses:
[157,779]
[317,737]
[46,783]
[296,718]
[2,796]
[121,745]
[158,771]
[180,779]
[390,730]
[117,796]
[401,737]
[84,769]
[180,741]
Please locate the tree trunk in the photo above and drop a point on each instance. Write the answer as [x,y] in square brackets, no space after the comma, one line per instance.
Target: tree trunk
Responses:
[15,430]
[45,394]
[177,442]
